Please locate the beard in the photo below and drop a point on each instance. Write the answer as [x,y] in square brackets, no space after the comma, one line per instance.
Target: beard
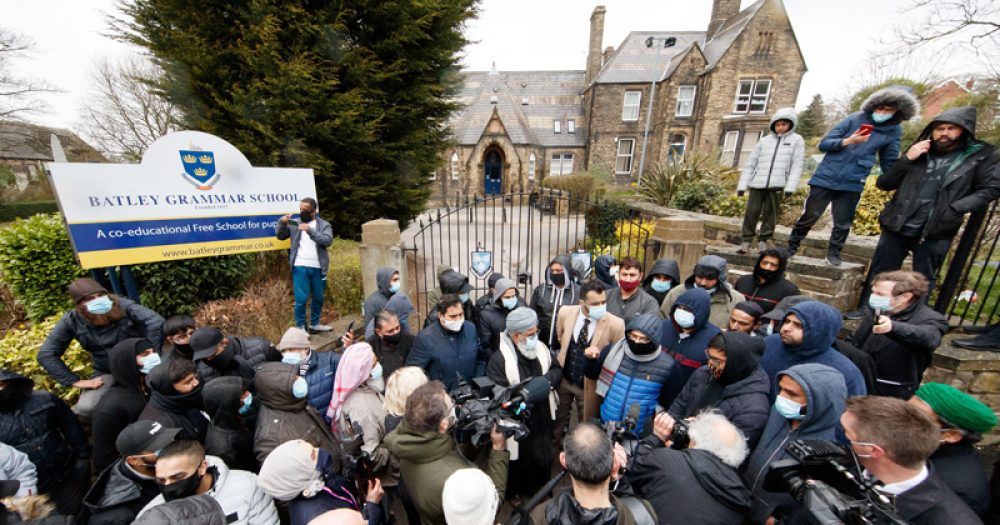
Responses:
[945,143]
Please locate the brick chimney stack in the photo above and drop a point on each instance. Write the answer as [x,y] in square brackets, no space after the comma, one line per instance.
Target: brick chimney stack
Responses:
[594,53]
[722,10]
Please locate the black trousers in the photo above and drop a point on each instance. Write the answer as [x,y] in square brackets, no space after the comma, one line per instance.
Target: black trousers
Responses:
[844,204]
[761,202]
[892,249]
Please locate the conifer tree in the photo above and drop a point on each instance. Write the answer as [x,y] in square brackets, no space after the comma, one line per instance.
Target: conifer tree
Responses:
[812,120]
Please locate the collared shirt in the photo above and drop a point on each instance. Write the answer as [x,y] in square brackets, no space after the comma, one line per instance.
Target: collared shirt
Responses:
[579,326]
[900,487]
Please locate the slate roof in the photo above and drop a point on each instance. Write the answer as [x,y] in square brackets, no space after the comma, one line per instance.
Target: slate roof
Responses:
[24,141]
[551,95]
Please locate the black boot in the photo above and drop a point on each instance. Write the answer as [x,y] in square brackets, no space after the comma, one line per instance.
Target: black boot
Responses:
[984,329]
[990,341]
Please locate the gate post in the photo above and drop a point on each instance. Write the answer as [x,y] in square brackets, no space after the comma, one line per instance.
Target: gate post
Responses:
[682,239]
[381,246]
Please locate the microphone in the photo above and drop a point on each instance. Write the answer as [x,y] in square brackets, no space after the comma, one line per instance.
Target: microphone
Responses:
[632,419]
[534,390]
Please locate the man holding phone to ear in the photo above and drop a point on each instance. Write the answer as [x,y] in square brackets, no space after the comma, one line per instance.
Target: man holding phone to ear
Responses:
[309,260]
[850,149]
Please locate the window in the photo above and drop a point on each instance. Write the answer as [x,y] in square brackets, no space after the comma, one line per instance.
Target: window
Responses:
[571,126]
[556,126]
[630,106]
[751,96]
[562,164]
[434,175]
[729,147]
[454,166]
[531,167]
[623,161]
[685,101]
[750,140]
[676,150]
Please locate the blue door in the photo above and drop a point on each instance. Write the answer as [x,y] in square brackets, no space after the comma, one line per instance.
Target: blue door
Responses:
[493,167]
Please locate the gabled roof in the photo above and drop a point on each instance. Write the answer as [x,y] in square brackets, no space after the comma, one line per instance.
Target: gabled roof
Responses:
[551,95]
[24,141]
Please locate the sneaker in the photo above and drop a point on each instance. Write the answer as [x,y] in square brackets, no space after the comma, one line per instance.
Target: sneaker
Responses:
[834,259]
[744,248]
[320,328]
[855,315]
[761,246]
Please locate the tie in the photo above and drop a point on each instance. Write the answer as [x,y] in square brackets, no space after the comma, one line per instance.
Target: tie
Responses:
[584,336]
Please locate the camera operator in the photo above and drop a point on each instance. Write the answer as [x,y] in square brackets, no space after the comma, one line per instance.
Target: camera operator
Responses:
[699,484]
[592,462]
[428,454]
[522,356]
[963,420]
[892,439]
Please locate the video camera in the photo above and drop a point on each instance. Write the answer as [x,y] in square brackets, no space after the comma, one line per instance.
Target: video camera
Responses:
[480,404]
[357,464]
[825,478]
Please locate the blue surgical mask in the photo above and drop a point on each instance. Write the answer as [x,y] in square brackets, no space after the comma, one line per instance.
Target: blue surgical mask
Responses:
[597,312]
[879,302]
[100,305]
[530,343]
[377,371]
[509,302]
[149,362]
[464,297]
[246,404]
[684,318]
[788,409]
[291,358]
[394,287]
[300,388]
[880,117]
[661,286]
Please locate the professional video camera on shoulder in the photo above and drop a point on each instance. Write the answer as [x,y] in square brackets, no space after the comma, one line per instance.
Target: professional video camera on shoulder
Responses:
[356,463]
[827,480]
[480,404]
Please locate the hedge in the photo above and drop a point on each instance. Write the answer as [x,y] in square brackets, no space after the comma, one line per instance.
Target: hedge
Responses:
[10,211]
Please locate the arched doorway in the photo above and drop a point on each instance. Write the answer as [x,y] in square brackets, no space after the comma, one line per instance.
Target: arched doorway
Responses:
[493,172]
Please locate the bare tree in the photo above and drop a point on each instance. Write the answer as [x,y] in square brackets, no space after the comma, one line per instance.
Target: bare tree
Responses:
[969,26]
[127,113]
[16,91]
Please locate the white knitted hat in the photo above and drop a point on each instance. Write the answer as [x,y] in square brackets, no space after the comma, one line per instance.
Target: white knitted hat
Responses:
[469,498]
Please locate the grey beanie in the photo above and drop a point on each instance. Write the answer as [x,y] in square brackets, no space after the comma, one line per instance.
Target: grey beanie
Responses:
[502,286]
[521,319]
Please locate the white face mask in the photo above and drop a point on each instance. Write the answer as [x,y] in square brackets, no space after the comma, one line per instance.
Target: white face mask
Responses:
[454,325]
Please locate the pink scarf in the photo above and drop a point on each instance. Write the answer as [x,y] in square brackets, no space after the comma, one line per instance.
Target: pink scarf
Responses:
[354,369]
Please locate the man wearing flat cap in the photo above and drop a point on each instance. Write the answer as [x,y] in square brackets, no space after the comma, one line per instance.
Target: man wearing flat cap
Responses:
[963,420]
[522,356]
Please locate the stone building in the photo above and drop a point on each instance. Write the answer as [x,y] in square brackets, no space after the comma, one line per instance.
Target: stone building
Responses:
[713,89]
[24,150]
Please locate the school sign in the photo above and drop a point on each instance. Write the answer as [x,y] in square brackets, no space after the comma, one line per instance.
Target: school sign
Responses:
[193,195]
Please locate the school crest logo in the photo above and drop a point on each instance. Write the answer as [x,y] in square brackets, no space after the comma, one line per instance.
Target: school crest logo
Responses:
[482,263]
[199,168]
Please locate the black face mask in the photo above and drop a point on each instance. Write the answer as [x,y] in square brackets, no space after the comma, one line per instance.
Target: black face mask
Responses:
[393,339]
[558,279]
[11,398]
[642,348]
[184,350]
[306,216]
[767,275]
[181,489]
[222,360]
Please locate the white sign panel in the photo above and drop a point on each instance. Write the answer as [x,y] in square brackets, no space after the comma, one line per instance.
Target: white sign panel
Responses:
[193,195]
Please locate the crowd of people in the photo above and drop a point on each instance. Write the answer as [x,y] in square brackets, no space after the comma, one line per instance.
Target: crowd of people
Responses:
[664,400]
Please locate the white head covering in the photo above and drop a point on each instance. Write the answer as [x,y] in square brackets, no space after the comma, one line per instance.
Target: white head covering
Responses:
[290,470]
[469,498]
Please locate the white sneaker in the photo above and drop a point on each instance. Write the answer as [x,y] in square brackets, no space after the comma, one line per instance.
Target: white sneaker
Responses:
[321,328]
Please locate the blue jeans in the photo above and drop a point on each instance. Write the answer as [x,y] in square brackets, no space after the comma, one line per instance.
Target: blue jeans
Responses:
[308,281]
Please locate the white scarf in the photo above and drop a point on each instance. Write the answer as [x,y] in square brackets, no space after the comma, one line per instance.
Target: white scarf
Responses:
[514,377]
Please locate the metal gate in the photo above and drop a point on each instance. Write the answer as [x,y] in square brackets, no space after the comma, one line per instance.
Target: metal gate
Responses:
[969,293]
[517,234]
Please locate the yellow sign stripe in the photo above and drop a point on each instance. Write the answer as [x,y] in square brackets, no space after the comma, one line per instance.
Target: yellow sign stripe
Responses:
[174,252]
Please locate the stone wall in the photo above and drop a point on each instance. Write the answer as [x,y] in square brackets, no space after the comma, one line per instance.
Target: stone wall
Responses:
[973,372]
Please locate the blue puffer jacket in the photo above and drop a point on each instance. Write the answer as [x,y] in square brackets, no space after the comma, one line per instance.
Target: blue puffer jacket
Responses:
[322,370]
[44,428]
[846,168]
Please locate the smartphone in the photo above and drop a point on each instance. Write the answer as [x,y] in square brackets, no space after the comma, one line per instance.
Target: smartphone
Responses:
[350,328]
[866,129]
[293,223]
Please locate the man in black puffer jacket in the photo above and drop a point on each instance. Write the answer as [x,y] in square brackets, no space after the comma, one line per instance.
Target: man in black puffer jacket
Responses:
[733,383]
[43,427]
[219,355]
[767,285]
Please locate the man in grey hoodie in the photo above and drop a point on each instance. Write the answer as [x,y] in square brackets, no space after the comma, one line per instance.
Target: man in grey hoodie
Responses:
[558,289]
[711,274]
[388,282]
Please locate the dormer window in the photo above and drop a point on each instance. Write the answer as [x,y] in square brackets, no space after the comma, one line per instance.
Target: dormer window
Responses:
[556,126]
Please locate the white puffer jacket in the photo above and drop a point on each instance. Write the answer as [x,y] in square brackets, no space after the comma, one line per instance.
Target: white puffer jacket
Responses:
[238,494]
[777,160]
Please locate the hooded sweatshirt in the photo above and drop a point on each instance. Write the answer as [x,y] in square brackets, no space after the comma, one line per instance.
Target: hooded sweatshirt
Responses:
[378,299]
[775,287]
[175,410]
[493,318]
[399,304]
[820,325]
[602,272]
[452,282]
[666,267]
[741,393]
[227,436]
[284,417]
[826,398]
[776,161]
[123,403]
[688,349]
[724,298]
[548,298]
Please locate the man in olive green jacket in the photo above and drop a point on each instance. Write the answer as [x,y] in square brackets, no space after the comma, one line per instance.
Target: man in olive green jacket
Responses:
[428,455]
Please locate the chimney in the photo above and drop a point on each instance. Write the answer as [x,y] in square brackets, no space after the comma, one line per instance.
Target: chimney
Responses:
[608,51]
[594,54]
[722,10]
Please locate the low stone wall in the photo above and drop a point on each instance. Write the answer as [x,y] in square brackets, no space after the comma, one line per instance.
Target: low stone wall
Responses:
[974,372]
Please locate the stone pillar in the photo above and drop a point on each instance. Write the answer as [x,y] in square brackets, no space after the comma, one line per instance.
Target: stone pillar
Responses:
[381,246]
[974,372]
[682,239]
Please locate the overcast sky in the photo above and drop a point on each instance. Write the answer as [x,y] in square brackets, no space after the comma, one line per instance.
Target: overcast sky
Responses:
[836,39]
